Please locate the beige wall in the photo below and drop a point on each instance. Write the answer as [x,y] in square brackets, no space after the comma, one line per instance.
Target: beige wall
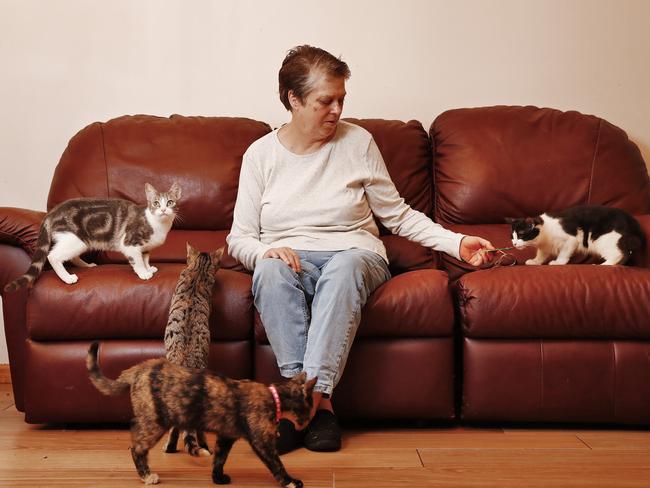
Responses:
[67,63]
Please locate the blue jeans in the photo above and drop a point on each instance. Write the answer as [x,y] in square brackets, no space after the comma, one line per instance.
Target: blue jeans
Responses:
[311,317]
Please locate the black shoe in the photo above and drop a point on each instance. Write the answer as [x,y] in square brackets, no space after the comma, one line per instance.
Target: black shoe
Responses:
[323,432]
[289,438]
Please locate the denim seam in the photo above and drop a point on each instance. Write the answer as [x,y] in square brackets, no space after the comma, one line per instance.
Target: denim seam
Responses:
[305,317]
[346,344]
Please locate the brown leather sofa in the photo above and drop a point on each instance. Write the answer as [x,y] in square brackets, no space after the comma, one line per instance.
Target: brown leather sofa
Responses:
[511,343]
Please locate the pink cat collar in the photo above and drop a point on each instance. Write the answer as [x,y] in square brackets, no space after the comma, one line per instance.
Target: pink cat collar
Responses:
[276,399]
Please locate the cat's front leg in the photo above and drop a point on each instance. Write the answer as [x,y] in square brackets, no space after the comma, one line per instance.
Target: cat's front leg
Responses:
[137,262]
[263,443]
[221,451]
[145,258]
[539,258]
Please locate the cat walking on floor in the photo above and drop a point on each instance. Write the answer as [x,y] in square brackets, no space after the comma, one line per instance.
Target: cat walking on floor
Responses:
[607,232]
[89,224]
[187,335]
[165,395]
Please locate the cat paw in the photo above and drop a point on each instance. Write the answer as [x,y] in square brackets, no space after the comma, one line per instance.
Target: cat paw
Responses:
[144,275]
[169,449]
[91,265]
[294,484]
[532,262]
[153,269]
[220,479]
[556,262]
[151,479]
[70,279]
[204,452]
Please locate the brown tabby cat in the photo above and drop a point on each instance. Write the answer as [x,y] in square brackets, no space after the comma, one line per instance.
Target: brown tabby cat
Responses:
[165,395]
[187,336]
[85,224]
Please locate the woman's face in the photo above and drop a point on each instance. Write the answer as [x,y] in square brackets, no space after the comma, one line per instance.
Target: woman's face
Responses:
[321,109]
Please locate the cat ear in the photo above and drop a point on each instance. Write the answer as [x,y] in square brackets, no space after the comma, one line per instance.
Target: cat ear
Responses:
[175,191]
[151,192]
[215,256]
[309,386]
[191,252]
[508,220]
[300,377]
[534,220]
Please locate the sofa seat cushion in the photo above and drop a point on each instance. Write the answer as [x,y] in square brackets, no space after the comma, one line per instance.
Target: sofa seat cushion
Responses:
[111,302]
[556,302]
[410,305]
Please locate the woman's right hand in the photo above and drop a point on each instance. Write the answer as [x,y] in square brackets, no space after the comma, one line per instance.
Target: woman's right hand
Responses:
[287,255]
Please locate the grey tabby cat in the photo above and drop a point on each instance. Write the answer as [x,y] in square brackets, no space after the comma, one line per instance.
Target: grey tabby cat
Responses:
[187,335]
[88,224]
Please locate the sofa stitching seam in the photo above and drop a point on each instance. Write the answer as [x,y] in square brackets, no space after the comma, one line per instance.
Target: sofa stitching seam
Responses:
[593,161]
[101,130]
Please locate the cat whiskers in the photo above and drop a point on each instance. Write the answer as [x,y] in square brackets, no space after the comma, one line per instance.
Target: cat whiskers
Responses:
[178,217]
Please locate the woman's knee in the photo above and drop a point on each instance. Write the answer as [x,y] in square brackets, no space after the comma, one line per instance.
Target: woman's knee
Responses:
[353,262]
[270,271]
[358,269]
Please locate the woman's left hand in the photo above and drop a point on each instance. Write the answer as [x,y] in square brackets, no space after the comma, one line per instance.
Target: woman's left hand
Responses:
[472,250]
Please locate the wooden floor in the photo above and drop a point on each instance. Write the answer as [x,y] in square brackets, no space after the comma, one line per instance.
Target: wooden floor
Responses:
[38,456]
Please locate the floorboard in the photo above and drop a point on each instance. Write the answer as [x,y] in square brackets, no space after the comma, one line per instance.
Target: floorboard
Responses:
[450,457]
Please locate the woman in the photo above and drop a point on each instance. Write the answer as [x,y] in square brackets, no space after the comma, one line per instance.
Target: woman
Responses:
[303,221]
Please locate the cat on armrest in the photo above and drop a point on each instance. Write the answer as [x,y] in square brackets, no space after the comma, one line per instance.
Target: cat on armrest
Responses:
[111,224]
[609,233]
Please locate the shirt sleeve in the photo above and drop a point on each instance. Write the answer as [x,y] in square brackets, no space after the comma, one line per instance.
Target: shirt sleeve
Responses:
[244,239]
[398,217]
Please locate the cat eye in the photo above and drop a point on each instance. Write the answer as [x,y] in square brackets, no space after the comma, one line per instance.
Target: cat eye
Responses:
[156,204]
[170,203]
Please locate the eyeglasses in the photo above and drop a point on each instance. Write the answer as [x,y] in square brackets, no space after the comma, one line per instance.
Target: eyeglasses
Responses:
[502,259]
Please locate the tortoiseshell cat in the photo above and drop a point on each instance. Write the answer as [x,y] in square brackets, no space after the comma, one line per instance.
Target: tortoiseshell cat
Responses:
[607,232]
[165,395]
[187,335]
[87,224]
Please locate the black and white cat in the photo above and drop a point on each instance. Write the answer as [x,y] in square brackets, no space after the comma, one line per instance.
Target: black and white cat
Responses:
[607,232]
[87,224]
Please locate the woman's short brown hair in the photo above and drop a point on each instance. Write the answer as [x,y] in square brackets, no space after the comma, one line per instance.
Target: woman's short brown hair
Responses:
[297,67]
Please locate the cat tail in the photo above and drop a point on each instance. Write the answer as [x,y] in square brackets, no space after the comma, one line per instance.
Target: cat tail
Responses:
[101,382]
[39,257]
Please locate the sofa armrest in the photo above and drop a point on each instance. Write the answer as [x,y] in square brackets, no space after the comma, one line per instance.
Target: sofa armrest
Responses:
[19,227]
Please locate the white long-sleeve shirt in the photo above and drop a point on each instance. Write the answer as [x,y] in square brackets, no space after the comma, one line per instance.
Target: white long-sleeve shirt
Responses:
[323,201]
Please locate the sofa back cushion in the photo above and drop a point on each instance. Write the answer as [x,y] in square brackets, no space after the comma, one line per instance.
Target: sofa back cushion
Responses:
[115,159]
[407,153]
[203,154]
[497,162]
